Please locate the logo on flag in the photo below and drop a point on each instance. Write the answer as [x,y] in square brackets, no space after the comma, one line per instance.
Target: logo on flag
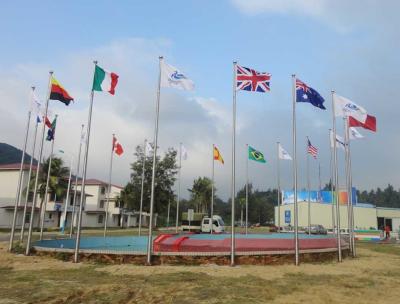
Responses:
[304,93]
[283,154]
[256,155]
[346,108]
[311,149]
[354,134]
[251,80]
[171,77]
[339,141]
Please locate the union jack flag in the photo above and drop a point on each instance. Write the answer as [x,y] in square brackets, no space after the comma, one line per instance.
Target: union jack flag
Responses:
[251,80]
[311,149]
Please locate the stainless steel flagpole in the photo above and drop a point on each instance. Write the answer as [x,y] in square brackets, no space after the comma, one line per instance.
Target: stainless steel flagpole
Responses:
[43,207]
[150,239]
[64,223]
[354,250]
[233,193]
[346,140]
[212,190]
[279,189]
[296,228]
[73,214]
[336,176]
[142,189]
[109,187]
[319,180]
[332,181]
[28,243]
[247,188]
[19,187]
[308,190]
[169,207]
[179,188]
[21,238]
[85,160]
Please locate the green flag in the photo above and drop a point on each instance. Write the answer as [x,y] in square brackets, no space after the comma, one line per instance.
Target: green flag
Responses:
[256,155]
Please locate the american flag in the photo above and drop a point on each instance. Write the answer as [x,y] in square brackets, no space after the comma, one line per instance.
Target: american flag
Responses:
[311,149]
[251,80]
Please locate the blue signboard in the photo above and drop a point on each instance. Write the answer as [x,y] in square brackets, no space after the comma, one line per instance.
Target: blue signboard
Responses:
[287,217]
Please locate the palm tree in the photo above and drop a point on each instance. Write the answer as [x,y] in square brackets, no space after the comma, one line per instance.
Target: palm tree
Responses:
[201,193]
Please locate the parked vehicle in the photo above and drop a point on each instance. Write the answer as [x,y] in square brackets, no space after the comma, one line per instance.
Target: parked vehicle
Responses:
[202,223]
[317,229]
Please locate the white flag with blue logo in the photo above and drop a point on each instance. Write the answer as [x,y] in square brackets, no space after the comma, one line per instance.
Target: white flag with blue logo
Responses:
[171,77]
[283,154]
[354,134]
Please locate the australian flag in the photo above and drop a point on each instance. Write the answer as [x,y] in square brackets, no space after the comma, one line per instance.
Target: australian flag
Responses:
[307,94]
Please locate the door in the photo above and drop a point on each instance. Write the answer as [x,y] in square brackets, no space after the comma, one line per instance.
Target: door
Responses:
[205,226]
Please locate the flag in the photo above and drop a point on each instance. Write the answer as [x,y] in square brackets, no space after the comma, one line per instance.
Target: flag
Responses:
[251,80]
[116,146]
[339,141]
[311,149]
[36,106]
[217,155]
[47,122]
[57,92]
[369,123]
[346,108]
[305,93]
[283,154]
[104,80]
[171,77]
[52,130]
[184,152]
[149,148]
[256,155]
[354,134]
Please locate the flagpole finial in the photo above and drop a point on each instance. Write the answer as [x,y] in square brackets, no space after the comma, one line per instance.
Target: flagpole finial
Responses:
[161,57]
[33,88]
[95,62]
[294,75]
[51,72]
[235,62]
[333,91]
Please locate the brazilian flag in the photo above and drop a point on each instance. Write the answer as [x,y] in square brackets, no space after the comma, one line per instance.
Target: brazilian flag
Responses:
[256,155]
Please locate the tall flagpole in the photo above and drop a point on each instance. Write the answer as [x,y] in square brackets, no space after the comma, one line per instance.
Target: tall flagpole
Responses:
[247,188]
[43,207]
[64,218]
[212,190]
[73,214]
[28,243]
[179,187]
[346,140]
[296,229]
[336,176]
[169,207]
[21,237]
[332,181]
[233,193]
[279,189]
[85,159]
[142,190]
[308,190]
[150,239]
[319,180]
[353,243]
[19,187]
[109,186]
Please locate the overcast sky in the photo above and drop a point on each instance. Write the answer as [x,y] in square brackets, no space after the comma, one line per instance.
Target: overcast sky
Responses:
[352,47]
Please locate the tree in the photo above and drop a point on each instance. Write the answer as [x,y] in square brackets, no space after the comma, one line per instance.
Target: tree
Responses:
[166,170]
[201,194]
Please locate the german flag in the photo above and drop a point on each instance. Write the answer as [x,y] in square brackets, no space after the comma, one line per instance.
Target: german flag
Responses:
[59,93]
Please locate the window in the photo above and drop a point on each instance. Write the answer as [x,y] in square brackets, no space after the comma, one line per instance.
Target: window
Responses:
[100,219]
[50,216]
[101,204]
[27,218]
[52,197]
[206,222]
[103,190]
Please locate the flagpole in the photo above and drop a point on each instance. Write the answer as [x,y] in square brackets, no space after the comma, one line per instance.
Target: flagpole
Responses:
[19,187]
[179,187]
[67,198]
[332,180]
[319,180]
[43,207]
[142,189]
[308,189]
[247,188]
[336,176]
[28,243]
[346,140]
[73,215]
[279,189]
[351,205]
[21,238]
[85,160]
[169,206]
[212,190]
[296,230]
[149,239]
[233,193]
[109,187]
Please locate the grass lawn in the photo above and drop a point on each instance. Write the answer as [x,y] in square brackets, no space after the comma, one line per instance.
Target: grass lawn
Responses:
[373,277]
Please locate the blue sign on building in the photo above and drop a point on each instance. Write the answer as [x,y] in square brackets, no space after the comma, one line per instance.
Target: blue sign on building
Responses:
[287,217]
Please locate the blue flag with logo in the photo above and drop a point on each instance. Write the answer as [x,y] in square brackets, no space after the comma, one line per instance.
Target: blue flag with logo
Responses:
[305,93]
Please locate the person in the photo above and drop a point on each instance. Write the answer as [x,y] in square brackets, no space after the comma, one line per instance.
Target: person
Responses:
[387,232]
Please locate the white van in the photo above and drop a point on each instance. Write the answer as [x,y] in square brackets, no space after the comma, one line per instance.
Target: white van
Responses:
[218,224]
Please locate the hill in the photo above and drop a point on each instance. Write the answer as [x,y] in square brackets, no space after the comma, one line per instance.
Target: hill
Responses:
[11,155]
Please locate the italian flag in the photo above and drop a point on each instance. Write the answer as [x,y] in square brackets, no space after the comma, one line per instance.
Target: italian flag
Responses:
[104,80]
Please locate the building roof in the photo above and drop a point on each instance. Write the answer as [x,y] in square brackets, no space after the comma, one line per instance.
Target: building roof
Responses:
[94,181]
[16,166]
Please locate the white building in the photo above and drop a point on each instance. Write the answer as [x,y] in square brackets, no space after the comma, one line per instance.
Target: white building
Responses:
[94,213]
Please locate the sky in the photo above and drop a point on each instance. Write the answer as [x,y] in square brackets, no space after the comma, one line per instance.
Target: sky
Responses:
[351,47]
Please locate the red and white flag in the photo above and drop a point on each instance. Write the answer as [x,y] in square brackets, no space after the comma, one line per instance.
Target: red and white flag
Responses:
[311,149]
[117,148]
[369,123]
